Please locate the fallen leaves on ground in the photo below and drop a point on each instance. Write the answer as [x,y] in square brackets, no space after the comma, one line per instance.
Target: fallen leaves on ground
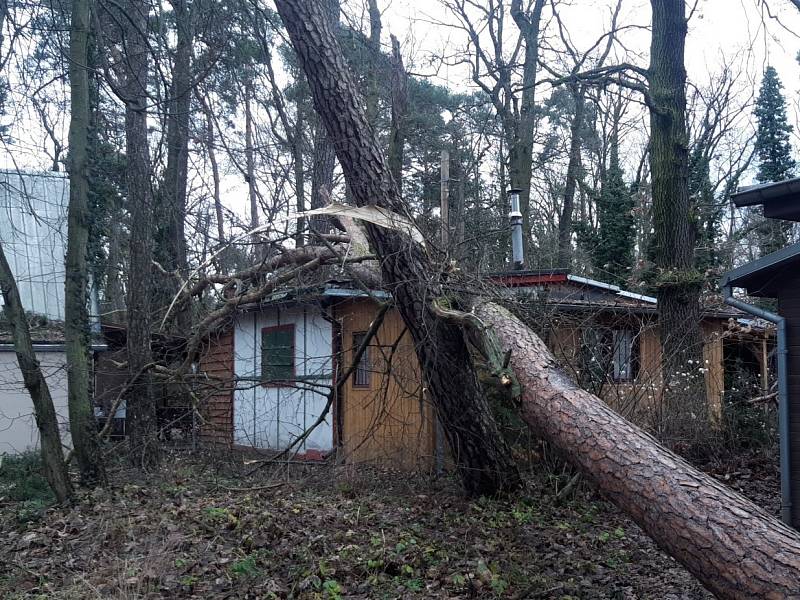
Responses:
[193,531]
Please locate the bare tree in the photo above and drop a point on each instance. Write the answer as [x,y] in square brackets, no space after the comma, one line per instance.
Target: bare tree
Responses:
[493,70]
[141,406]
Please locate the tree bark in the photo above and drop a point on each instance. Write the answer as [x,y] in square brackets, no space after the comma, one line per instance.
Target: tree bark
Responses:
[55,469]
[114,292]
[324,155]
[76,316]
[678,284]
[141,405]
[733,547]
[250,162]
[399,89]
[299,171]
[573,172]
[324,163]
[374,43]
[176,173]
[215,177]
[483,458]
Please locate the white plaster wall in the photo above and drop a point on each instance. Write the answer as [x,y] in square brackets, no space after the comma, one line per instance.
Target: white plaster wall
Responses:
[272,417]
[18,432]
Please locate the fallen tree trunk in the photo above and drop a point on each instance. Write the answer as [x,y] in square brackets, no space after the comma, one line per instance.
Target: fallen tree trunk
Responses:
[732,546]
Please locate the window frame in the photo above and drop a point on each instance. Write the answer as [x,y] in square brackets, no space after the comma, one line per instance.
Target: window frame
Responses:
[632,372]
[607,340]
[279,383]
[365,361]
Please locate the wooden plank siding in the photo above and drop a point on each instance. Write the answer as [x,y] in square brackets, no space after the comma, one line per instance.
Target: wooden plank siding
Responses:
[638,399]
[216,393]
[789,308]
[388,422]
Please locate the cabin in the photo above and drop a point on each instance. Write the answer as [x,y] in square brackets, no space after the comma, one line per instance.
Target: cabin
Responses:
[608,338]
[776,278]
[18,430]
[274,370]
[272,373]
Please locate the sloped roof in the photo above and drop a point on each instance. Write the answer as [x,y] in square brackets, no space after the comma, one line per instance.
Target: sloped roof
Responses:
[763,277]
[566,291]
[781,200]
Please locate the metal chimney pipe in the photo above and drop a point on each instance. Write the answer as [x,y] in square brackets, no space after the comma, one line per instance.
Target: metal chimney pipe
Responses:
[515,216]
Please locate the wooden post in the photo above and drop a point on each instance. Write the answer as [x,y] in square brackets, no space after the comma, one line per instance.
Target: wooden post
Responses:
[445,199]
[764,365]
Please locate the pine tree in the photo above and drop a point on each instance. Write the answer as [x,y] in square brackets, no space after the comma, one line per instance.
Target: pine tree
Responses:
[772,140]
[774,154]
[612,247]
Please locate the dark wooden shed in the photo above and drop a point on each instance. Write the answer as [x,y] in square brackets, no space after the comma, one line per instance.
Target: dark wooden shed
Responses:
[777,275]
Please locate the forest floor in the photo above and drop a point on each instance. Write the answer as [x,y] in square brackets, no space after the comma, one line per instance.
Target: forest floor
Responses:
[197,530]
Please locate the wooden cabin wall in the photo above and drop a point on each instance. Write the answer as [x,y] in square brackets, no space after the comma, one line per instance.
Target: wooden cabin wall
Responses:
[789,308]
[390,422]
[714,365]
[636,400]
[216,394]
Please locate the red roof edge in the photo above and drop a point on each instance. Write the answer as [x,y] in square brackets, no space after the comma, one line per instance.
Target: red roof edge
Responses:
[527,279]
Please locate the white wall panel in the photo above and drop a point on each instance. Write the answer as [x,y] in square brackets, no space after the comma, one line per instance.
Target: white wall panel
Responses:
[18,431]
[272,417]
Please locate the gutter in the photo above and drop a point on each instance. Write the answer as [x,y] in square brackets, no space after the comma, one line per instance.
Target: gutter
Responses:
[783,394]
[55,347]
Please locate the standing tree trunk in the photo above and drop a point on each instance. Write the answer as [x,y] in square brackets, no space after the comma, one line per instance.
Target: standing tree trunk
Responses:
[250,162]
[55,469]
[374,44]
[678,284]
[483,458]
[141,406]
[215,177]
[76,316]
[114,293]
[573,173]
[733,547]
[323,165]
[323,154]
[399,90]
[176,173]
[299,171]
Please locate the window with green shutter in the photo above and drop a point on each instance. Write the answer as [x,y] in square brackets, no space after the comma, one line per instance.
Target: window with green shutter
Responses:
[277,354]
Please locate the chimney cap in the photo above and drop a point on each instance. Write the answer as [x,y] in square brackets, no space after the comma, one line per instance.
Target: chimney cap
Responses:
[514,190]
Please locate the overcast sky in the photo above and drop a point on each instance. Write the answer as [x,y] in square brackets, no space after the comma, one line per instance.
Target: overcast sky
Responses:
[734,31]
